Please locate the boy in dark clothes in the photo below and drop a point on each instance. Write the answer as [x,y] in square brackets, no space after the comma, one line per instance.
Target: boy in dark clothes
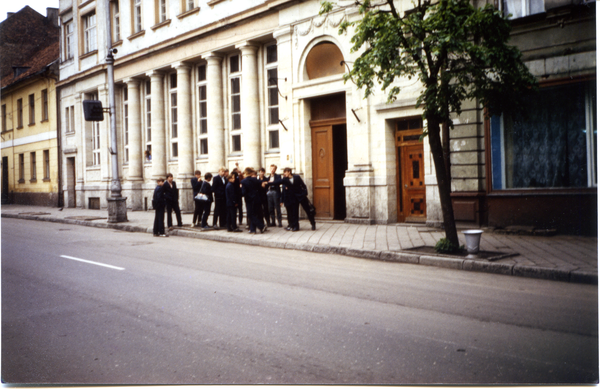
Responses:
[206,189]
[231,199]
[158,203]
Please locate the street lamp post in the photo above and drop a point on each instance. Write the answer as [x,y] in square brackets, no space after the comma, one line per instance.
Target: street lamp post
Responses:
[117,204]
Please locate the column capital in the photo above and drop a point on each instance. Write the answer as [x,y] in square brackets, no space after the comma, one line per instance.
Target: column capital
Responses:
[247,48]
[154,73]
[130,81]
[181,65]
[283,33]
[103,88]
[212,55]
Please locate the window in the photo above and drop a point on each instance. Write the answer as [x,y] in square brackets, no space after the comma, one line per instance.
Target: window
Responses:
[4,117]
[95,137]
[162,11]
[44,105]
[521,8]
[19,113]
[21,168]
[116,24]
[69,119]
[46,164]
[126,124]
[552,145]
[69,41]
[173,101]
[235,80]
[187,5]
[31,109]
[89,28]
[137,16]
[202,112]
[33,166]
[148,122]
[272,96]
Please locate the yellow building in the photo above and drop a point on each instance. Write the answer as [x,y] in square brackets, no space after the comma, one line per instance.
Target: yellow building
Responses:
[30,171]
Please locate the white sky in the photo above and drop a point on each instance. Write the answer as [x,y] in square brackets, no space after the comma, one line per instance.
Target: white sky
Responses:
[17,5]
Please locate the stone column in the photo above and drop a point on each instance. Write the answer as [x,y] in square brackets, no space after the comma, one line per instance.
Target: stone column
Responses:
[185,136]
[285,70]
[216,130]
[136,158]
[159,149]
[250,107]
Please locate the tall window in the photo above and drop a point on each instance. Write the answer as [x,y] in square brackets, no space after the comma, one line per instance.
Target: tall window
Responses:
[203,112]
[4,117]
[173,101]
[47,164]
[116,25]
[95,137]
[21,168]
[126,123]
[19,113]
[70,119]
[44,104]
[69,41]
[162,11]
[89,28]
[33,166]
[521,8]
[137,16]
[273,96]
[188,5]
[552,146]
[148,121]
[235,80]
[31,109]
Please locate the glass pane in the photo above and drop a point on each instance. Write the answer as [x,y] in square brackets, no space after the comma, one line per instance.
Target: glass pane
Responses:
[203,92]
[175,150]
[235,103]
[202,73]
[204,146]
[274,139]
[234,64]
[173,80]
[272,77]
[203,126]
[203,111]
[235,85]
[273,115]
[273,97]
[236,142]
[237,121]
[271,54]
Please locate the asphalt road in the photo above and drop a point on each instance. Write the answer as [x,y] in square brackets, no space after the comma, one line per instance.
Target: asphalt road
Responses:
[184,311]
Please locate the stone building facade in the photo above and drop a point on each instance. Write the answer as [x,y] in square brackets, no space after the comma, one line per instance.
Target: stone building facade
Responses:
[208,83]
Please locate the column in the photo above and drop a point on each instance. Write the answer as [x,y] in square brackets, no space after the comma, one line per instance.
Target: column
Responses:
[159,150]
[250,107]
[136,158]
[184,122]
[286,106]
[216,130]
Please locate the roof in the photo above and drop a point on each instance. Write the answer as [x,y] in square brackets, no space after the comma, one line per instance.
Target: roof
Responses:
[27,40]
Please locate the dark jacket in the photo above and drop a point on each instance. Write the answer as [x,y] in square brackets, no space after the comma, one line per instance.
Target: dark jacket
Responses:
[297,189]
[231,198]
[263,190]
[158,199]
[218,187]
[196,185]
[171,193]
[206,189]
[251,188]
[276,188]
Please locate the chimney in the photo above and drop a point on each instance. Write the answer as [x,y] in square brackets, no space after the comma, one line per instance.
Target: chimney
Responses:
[9,14]
[52,15]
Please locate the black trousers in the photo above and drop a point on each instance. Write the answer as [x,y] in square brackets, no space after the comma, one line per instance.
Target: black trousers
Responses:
[254,214]
[159,220]
[174,206]
[274,206]
[306,207]
[205,212]
[231,214]
[198,207]
[220,212]
[240,210]
[293,214]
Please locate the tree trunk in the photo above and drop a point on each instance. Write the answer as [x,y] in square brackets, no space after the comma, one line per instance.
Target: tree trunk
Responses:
[443,180]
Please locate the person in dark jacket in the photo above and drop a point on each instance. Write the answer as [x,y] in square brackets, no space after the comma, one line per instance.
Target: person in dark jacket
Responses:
[218,187]
[264,200]
[274,197]
[206,189]
[196,185]
[231,200]
[238,188]
[172,197]
[251,191]
[158,204]
[295,194]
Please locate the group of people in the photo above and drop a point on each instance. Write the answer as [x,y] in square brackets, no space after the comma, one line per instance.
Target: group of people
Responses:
[263,196]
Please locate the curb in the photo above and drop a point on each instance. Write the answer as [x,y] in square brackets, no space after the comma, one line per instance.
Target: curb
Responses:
[557,274]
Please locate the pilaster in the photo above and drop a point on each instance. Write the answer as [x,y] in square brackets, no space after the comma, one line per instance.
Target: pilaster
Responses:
[216,130]
[250,107]
[159,150]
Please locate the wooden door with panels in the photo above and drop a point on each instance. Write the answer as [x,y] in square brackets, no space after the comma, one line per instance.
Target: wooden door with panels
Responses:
[410,171]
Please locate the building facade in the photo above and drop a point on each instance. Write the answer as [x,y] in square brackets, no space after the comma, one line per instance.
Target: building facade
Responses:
[30,154]
[202,84]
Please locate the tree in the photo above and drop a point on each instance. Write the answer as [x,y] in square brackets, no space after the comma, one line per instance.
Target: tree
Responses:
[458,53]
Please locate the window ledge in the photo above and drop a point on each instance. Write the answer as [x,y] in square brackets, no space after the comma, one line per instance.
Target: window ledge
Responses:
[88,54]
[46,179]
[188,13]
[6,131]
[212,3]
[21,180]
[45,120]
[31,124]
[273,151]
[92,168]
[117,43]
[33,181]
[161,24]
[20,128]
[84,3]
[69,133]
[136,35]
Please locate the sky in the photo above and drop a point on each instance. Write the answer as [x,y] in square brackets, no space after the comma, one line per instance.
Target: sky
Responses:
[17,5]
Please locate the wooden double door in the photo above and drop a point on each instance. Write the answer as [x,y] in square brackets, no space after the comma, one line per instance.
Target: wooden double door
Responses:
[330,162]
[411,172]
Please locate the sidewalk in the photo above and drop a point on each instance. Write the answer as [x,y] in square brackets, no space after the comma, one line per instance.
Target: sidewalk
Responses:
[563,258]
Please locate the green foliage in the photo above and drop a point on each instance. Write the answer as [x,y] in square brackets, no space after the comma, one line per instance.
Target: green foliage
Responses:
[458,53]
[444,245]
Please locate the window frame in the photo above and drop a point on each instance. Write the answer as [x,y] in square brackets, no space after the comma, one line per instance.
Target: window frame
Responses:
[90,32]
[148,118]
[271,87]
[21,167]
[125,97]
[4,123]
[137,21]
[45,112]
[173,117]
[202,84]
[20,113]
[69,33]
[235,74]
[32,167]
[116,21]
[46,154]
[32,109]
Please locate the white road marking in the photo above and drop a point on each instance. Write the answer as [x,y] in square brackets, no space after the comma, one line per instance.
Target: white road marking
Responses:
[93,262]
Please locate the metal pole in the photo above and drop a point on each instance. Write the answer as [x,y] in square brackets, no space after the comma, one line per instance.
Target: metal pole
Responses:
[117,207]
